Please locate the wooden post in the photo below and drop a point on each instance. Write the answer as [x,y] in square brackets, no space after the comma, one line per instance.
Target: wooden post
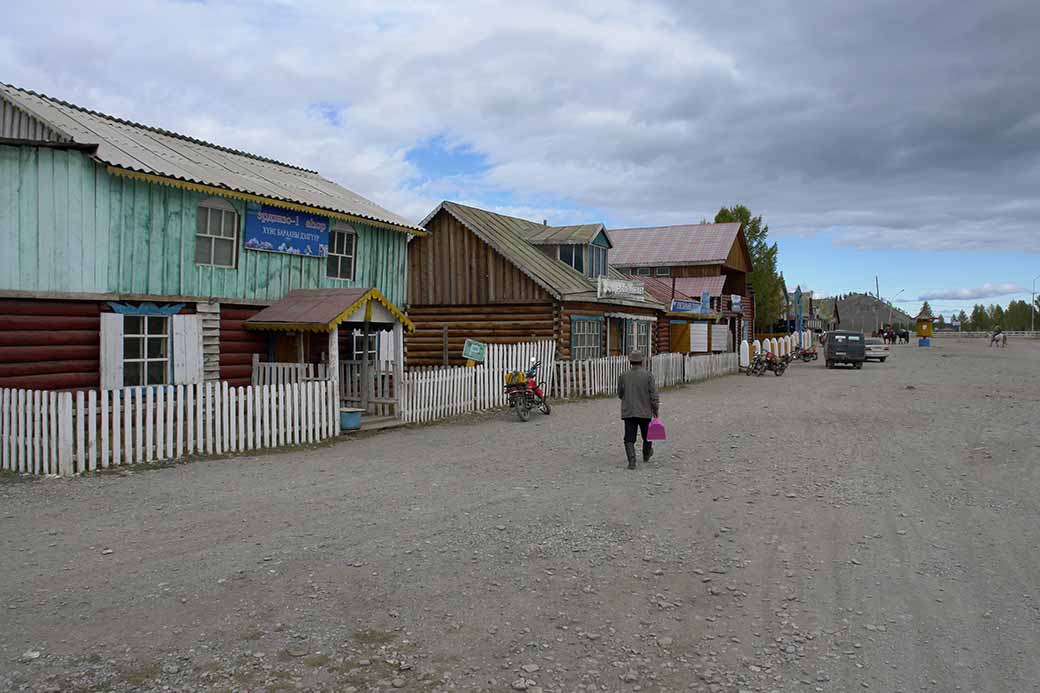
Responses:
[398,367]
[365,372]
[444,343]
[299,347]
[334,364]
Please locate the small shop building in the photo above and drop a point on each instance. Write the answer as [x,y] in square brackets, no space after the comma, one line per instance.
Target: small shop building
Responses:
[502,280]
[707,263]
[137,256]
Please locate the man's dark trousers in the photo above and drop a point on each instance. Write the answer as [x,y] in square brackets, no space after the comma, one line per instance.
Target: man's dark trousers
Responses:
[633,424]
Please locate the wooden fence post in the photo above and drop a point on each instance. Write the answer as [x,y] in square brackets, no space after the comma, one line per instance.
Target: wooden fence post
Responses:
[65,465]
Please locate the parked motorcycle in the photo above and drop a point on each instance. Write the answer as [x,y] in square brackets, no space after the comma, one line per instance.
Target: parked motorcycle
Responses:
[524,393]
[808,355]
[757,365]
[777,364]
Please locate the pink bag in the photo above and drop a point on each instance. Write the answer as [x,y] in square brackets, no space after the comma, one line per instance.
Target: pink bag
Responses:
[655,431]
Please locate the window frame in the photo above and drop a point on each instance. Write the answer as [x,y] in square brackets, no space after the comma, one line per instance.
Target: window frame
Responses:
[633,337]
[146,336]
[575,251]
[373,342]
[225,208]
[662,271]
[598,265]
[346,230]
[642,271]
[588,340]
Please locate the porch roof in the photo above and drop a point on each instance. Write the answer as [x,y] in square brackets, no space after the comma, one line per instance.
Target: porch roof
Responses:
[320,310]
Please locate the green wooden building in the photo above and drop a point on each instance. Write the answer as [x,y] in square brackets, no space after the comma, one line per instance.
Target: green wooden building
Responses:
[101,216]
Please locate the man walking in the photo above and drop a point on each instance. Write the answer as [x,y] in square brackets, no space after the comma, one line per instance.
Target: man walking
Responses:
[639,402]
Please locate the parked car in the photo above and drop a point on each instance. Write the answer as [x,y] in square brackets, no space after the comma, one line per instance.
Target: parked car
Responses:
[845,346]
[876,349]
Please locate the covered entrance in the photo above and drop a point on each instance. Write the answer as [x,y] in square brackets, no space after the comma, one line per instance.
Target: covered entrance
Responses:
[355,336]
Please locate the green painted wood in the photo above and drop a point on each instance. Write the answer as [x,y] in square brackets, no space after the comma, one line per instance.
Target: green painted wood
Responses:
[77,228]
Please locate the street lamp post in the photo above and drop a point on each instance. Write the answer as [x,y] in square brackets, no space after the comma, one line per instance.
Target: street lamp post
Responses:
[893,300]
[1032,307]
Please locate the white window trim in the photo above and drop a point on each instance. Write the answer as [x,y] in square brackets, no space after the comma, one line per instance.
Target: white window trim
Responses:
[642,271]
[584,259]
[594,348]
[222,205]
[662,271]
[348,230]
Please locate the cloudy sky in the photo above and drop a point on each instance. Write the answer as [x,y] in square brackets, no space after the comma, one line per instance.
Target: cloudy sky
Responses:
[897,139]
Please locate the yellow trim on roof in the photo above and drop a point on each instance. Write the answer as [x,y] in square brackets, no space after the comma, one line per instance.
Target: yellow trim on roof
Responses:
[365,300]
[249,197]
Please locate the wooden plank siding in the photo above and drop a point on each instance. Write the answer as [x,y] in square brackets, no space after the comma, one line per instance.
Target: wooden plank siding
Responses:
[71,227]
[452,266]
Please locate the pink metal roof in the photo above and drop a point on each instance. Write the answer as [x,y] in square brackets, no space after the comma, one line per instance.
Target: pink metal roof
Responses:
[687,244]
[685,287]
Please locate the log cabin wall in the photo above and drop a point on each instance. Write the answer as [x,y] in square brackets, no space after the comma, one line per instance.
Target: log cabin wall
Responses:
[492,324]
[52,344]
[237,344]
[453,267]
[563,343]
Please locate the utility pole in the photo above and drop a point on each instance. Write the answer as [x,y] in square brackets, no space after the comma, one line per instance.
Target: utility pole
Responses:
[890,306]
[1032,307]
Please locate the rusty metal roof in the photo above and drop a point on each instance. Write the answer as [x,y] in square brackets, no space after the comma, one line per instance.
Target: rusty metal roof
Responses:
[686,244]
[319,309]
[685,287]
[127,146]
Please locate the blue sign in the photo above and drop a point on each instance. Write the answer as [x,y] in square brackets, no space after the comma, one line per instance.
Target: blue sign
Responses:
[706,302]
[680,306]
[278,230]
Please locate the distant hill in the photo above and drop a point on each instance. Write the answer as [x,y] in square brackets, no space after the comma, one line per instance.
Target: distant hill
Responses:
[864,312]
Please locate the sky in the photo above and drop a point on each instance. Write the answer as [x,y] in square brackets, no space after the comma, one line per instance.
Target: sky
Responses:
[891,139]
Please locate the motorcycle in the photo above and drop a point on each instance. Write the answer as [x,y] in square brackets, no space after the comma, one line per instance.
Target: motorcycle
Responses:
[777,364]
[757,365]
[808,355]
[524,393]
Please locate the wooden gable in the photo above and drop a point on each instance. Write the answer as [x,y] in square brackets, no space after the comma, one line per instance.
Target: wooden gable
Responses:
[453,266]
[739,258]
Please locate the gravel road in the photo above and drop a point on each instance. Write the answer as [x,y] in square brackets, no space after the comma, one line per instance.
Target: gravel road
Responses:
[830,530]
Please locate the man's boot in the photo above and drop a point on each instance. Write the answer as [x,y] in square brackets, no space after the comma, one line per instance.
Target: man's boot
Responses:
[648,450]
[630,450]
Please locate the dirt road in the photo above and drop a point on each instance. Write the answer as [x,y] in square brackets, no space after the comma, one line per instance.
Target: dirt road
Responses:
[830,530]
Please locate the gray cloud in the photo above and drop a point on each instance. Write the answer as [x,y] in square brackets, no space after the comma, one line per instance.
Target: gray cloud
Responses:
[987,290]
[885,125]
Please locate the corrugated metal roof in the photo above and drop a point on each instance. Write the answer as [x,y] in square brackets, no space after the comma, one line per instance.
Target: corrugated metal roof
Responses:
[576,234]
[319,309]
[148,150]
[507,235]
[685,287]
[17,124]
[687,244]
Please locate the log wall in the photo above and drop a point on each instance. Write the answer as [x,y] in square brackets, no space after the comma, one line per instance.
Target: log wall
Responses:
[492,324]
[50,345]
[599,309]
[237,344]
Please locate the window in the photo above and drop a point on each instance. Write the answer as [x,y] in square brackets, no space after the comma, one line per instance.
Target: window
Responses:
[145,350]
[573,255]
[637,337]
[643,271]
[343,243]
[216,233]
[597,261]
[586,339]
[663,271]
[359,346]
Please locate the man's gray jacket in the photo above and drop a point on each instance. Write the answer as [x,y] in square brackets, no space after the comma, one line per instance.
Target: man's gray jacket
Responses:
[638,394]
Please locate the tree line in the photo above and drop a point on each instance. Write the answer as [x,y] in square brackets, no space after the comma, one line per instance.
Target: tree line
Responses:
[1015,317]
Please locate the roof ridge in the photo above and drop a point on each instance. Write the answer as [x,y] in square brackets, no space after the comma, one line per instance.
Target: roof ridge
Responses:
[152,128]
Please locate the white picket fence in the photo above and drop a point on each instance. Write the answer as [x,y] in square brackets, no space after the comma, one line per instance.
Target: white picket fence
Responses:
[785,345]
[594,377]
[69,433]
[435,393]
[266,373]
